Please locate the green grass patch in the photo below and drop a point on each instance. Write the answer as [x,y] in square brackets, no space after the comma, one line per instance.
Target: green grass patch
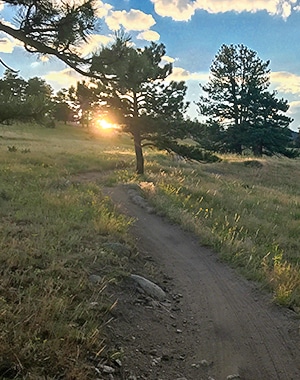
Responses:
[54,234]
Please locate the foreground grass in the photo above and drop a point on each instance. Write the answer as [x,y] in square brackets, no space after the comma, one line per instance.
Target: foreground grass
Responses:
[54,233]
[57,229]
[247,210]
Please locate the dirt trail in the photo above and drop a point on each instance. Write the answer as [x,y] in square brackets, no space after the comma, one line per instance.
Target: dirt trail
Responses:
[217,326]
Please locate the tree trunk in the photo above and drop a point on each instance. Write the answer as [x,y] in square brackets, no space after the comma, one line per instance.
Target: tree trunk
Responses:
[137,137]
[138,153]
[258,150]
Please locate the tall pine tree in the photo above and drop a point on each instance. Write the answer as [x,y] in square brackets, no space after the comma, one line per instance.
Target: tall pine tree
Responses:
[238,101]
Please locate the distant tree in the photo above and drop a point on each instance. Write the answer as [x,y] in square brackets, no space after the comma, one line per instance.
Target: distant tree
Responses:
[208,135]
[237,100]
[38,101]
[297,139]
[24,100]
[267,130]
[138,98]
[80,102]
[62,106]
[12,93]
[86,97]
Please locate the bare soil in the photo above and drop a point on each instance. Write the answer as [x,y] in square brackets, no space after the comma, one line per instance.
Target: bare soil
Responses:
[214,325]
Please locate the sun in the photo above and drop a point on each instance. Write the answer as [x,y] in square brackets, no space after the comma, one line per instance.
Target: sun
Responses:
[104,124]
[107,126]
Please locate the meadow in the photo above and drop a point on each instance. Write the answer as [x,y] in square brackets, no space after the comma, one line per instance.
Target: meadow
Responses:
[57,230]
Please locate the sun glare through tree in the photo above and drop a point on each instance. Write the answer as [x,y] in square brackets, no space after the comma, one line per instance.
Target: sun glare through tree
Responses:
[104,124]
[106,127]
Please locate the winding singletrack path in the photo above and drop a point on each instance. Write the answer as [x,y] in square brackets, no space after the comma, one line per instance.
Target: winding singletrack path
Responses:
[230,322]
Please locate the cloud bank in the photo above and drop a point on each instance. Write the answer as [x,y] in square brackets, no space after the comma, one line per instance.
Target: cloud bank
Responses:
[180,74]
[94,43]
[183,10]
[286,82]
[7,45]
[135,20]
[63,78]
[148,35]
[294,108]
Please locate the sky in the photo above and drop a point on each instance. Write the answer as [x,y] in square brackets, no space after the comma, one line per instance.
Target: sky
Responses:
[192,31]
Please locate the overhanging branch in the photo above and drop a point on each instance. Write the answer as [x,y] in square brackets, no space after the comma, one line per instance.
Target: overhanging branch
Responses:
[71,59]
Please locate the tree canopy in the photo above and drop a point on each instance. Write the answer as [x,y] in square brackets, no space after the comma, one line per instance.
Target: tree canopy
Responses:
[237,100]
[24,100]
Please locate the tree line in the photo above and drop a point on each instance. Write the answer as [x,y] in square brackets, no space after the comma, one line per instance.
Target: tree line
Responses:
[129,86]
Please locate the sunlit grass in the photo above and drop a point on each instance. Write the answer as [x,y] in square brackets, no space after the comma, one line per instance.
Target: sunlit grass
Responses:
[53,233]
[246,209]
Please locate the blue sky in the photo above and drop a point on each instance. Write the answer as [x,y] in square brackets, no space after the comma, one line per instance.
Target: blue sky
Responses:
[192,31]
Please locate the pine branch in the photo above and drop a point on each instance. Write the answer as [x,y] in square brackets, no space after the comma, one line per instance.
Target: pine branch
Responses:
[71,59]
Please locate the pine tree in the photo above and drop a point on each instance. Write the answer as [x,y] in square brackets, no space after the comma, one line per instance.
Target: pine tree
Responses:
[24,100]
[138,97]
[238,101]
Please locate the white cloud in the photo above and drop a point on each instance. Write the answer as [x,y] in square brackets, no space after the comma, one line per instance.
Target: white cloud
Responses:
[102,9]
[294,112]
[286,9]
[8,43]
[40,60]
[1,5]
[294,107]
[178,10]
[5,22]
[63,78]
[285,82]
[44,58]
[34,64]
[94,43]
[148,35]
[183,10]
[132,20]
[168,59]
[180,74]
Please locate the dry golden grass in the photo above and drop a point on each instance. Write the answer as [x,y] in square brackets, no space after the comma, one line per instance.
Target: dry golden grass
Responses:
[53,233]
[246,209]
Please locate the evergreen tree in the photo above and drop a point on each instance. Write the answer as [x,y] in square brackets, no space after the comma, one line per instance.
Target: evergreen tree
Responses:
[138,98]
[86,97]
[62,106]
[12,95]
[238,101]
[297,139]
[24,100]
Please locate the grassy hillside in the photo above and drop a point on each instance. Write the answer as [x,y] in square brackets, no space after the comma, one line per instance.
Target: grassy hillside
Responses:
[57,229]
